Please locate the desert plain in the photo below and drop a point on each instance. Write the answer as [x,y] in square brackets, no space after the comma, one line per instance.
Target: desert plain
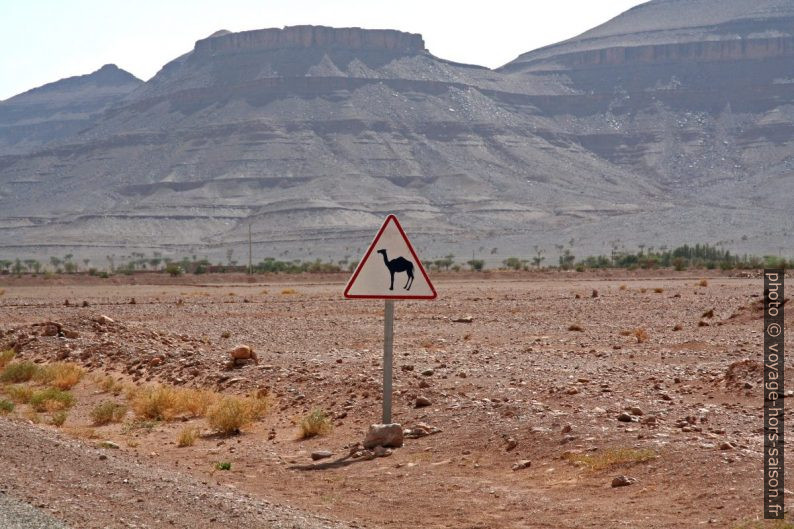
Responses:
[530,395]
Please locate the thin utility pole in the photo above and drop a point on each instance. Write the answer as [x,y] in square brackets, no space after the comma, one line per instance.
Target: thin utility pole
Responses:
[250,262]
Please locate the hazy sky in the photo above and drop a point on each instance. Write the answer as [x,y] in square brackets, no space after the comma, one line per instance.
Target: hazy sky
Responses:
[45,40]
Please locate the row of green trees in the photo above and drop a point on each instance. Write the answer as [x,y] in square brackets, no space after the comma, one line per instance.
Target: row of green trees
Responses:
[679,258]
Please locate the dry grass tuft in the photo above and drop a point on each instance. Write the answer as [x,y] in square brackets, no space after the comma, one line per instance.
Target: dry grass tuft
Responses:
[187,437]
[703,283]
[51,400]
[626,333]
[61,375]
[195,401]
[19,394]
[156,402]
[107,412]
[610,457]
[19,372]
[230,413]
[6,357]
[108,384]
[289,291]
[58,418]
[6,407]
[658,290]
[622,287]
[641,335]
[317,422]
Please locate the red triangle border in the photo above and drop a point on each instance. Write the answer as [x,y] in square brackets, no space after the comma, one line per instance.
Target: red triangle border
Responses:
[351,282]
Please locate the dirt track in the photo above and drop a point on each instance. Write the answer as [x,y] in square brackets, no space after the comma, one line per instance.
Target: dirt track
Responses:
[67,478]
[515,375]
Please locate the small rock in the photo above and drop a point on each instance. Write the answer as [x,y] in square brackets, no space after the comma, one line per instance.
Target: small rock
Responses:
[381,451]
[109,444]
[511,444]
[567,428]
[463,319]
[72,335]
[634,410]
[525,463]
[321,454]
[428,372]
[390,435]
[50,330]
[726,445]
[625,417]
[422,402]
[104,320]
[102,457]
[623,481]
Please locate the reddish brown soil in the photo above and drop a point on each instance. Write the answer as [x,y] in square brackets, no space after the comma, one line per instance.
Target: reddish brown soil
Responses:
[515,372]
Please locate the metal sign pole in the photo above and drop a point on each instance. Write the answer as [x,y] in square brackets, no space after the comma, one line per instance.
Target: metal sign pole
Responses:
[388,341]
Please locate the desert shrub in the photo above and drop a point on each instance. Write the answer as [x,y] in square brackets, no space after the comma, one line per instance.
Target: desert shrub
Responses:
[58,418]
[316,422]
[155,402]
[51,399]
[658,290]
[6,406]
[289,291]
[174,269]
[6,357]
[223,465]
[623,287]
[641,335]
[19,372]
[679,264]
[626,333]
[230,414]
[187,437]
[107,412]
[19,394]
[611,457]
[703,283]
[195,401]
[61,375]
[108,384]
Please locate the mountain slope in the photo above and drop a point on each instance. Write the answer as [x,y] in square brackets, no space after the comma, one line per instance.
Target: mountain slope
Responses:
[311,134]
[695,94]
[60,109]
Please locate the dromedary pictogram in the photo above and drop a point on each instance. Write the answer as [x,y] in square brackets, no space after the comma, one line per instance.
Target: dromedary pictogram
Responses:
[399,264]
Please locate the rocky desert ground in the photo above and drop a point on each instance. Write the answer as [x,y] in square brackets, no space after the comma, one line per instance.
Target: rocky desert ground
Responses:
[534,400]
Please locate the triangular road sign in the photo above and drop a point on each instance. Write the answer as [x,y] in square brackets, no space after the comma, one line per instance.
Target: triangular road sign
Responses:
[390,269]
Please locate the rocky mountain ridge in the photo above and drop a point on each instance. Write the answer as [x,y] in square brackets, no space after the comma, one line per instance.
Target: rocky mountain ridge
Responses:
[313,134]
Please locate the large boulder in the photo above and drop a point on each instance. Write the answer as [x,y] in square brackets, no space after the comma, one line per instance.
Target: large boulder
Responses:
[390,435]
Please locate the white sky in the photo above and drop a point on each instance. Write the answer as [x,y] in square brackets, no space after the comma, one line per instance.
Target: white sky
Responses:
[46,40]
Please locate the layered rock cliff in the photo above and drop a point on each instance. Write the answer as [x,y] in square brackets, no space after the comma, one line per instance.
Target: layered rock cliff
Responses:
[669,124]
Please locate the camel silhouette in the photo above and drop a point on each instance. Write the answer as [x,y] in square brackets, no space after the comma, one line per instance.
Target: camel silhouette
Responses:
[399,264]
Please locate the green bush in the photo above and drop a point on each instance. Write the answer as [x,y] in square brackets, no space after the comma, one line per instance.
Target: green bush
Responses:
[107,412]
[174,269]
[6,406]
[51,399]
[19,372]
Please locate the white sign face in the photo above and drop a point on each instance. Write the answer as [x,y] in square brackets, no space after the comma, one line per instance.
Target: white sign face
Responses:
[390,269]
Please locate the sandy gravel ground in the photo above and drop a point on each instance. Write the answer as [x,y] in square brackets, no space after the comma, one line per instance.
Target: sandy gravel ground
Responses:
[525,377]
